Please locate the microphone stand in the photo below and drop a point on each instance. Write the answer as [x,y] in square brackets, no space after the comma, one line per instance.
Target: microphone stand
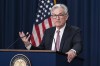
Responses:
[16,41]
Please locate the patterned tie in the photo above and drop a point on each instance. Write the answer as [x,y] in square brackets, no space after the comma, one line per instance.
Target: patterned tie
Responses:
[57,41]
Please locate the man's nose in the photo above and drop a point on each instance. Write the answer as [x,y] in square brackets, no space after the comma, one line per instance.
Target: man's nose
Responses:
[57,17]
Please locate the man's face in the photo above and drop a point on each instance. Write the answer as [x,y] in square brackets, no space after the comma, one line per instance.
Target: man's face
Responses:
[59,17]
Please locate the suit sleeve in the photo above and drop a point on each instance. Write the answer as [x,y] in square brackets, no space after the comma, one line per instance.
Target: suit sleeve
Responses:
[77,41]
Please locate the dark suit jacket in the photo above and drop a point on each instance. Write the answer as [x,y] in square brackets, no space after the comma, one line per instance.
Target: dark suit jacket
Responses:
[71,39]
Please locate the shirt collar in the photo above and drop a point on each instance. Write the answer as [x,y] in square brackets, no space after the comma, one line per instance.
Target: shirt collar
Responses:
[62,29]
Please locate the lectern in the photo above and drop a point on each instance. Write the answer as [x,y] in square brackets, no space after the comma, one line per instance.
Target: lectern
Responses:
[36,58]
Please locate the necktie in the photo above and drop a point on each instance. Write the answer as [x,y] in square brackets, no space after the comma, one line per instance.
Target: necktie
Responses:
[57,46]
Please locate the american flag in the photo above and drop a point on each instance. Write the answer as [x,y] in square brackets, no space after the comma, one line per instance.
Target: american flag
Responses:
[42,22]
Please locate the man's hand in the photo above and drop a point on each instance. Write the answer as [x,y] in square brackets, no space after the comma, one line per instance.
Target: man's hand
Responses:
[25,38]
[71,55]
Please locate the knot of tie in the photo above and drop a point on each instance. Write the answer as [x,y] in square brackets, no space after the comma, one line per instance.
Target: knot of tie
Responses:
[58,31]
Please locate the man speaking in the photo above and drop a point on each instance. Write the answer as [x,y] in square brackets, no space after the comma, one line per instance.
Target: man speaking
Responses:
[63,37]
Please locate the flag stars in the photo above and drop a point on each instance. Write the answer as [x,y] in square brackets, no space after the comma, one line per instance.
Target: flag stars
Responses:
[44,15]
[42,1]
[48,1]
[38,15]
[50,8]
[46,6]
[48,13]
[41,18]
[39,11]
[51,4]
[45,11]
[37,20]
[41,6]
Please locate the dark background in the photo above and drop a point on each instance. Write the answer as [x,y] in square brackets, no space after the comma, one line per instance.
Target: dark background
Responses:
[18,15]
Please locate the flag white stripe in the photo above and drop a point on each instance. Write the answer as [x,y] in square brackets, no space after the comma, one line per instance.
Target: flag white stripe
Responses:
[41,30]
[35,36]
[46,22]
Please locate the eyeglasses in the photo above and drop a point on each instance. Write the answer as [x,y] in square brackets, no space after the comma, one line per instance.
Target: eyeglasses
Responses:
[60,15]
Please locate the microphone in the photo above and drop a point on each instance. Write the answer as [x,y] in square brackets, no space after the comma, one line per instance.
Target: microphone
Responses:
[16,41]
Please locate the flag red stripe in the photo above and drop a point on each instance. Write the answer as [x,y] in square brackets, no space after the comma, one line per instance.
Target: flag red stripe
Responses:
[43,26]
[32,40]
[50,22]
[38,32]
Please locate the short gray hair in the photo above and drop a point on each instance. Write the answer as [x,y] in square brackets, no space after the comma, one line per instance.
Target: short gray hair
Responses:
[60,6]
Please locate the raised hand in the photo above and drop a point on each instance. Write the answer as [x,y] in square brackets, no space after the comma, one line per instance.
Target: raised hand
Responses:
[25,38]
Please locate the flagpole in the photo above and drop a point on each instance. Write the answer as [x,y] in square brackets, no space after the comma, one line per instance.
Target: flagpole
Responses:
[54,1]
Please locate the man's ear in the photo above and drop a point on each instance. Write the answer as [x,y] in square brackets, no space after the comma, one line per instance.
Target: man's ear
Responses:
[67,17]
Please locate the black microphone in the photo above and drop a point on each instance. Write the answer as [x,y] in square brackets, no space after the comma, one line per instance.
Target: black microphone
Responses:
[16,41]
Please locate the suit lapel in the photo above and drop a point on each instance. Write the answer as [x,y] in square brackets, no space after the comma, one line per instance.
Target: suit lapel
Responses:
[64,37]
[51,37]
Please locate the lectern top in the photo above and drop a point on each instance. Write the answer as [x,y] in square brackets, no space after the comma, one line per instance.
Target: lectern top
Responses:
[21,50]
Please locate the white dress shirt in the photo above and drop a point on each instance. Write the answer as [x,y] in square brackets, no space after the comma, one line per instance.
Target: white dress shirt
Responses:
[54,40]
[55,36]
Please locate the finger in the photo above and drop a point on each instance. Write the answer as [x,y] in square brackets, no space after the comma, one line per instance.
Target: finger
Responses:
[28,37]
[69,60]
[69,57]
[23,33]
[23,36]
[27,33]
[20,34]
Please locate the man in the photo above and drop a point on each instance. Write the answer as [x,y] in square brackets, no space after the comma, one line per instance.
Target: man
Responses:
[62,37]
